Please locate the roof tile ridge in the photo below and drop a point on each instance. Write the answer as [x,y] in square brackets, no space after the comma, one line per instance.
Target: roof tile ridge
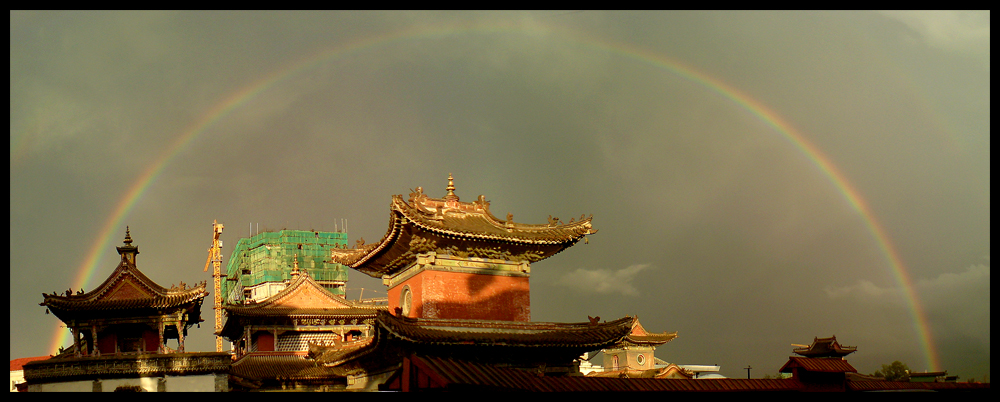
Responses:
[485,213]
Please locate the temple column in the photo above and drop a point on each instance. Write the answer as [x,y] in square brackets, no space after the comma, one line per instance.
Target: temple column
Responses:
[180,331]
[163,342]
[93,341]
[76,341]
[180,338]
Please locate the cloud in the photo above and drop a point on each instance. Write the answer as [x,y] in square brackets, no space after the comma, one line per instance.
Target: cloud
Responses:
[604,281]
[864,287]
[948,29]
[955,302]
[944,286]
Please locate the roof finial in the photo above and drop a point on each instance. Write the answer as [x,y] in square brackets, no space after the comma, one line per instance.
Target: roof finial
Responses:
[295,267]
[127,250]
[451,189]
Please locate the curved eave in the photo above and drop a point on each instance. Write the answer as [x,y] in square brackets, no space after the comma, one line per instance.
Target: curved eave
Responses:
[159,302]
[356,258]
[96,299]
[506,333]
[652,340]
[492,229]
[406,217]
[251,312]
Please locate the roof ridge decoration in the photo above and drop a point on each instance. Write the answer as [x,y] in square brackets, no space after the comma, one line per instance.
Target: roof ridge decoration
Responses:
[451,196]
[448,226]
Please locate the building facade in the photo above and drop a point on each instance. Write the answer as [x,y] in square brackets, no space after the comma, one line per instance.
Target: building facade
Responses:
[271,339]
[447,259]
[122,332]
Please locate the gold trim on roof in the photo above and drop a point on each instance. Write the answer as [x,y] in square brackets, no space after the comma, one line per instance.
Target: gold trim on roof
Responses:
[466,229]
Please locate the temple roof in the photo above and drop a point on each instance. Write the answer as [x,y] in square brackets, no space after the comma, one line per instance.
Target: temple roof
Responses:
[301,298]
[818,365]
[670,371]
[295,366]
[460,375]
[466,229]
[455,332]
[486,340]
[639,336]
[825,347]
[126,289]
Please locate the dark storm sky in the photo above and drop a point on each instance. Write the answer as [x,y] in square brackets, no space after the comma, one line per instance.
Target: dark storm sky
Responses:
[713,221]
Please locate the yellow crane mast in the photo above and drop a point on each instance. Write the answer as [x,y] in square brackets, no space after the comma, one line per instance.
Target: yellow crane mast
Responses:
[215,258]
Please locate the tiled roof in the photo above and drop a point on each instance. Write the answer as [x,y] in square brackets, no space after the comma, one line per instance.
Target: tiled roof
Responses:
[825,347]
[348,312]
[18,364]
[479,223]
[261,366]
[304,297]
[430,224]
[463,375]
[511,342]
[915,386]
[332,356]
[126,288]
[671,371]
[640,336]
[506,333]
[821,365]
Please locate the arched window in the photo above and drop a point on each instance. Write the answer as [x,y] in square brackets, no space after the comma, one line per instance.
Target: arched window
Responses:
[406,300]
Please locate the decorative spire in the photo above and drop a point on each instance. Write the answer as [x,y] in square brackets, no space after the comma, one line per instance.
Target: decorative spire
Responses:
[451,189]
[128,251]
[295,267]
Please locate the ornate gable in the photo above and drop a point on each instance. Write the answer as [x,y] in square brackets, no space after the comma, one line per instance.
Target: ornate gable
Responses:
[125,288]
[305,293]
[302,297]
[128,289]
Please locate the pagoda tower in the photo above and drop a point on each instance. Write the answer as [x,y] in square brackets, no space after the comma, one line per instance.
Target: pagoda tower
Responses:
[128,313]
[442,258]
[120,332]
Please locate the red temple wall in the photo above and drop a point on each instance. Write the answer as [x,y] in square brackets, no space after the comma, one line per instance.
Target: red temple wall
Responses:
[264,341]
[106,342]
[459,295]
[152,340]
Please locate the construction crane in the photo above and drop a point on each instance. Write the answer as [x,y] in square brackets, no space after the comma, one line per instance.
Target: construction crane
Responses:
[215,258]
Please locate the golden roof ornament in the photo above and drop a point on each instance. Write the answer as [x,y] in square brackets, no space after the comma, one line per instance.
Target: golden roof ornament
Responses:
[451,189]
[127,250]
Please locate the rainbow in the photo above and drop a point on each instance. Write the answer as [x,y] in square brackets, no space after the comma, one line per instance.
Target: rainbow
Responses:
[110,232]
